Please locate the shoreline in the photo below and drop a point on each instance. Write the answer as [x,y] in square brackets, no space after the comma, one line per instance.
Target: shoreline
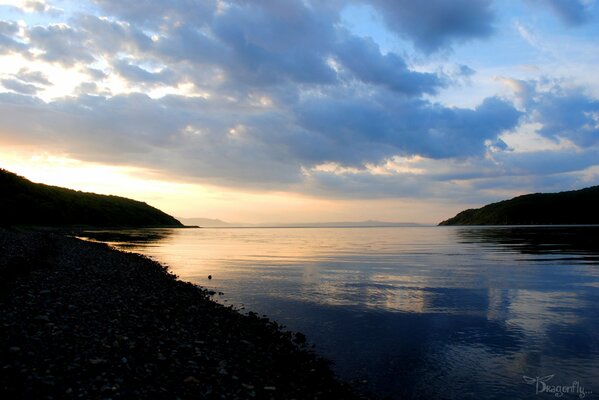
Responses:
[83,320]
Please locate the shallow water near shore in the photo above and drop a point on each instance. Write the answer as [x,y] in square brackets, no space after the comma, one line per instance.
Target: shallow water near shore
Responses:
[414,312]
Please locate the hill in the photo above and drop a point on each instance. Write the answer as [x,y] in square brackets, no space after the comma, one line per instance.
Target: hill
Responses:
[206,222]
[23,202]
[577,207]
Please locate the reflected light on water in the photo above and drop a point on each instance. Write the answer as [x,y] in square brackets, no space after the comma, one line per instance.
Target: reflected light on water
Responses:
[469,309]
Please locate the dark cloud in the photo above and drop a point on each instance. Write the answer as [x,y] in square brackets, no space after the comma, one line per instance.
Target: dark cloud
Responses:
[110,37]
[271,42]
[504,176]
[134,73]
[19,86]
[367,186]
[385,125]
[285,88]
[564,114]
[96,74]
[86,39]
[546,162]
[570,12]
[61,44]
[35,77]
[572,116]
[364,59]
[8,30]
[465,71]
[187,43]
[253,44]
[157,14]
[189,137]
[435,24]
[207,138]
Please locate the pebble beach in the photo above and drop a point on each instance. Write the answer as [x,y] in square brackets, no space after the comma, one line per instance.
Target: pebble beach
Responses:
[83,320]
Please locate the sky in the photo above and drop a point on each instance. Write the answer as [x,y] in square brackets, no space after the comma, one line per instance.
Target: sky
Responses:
[302,110]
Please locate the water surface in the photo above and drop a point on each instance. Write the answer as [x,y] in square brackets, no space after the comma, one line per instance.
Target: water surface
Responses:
[413,312]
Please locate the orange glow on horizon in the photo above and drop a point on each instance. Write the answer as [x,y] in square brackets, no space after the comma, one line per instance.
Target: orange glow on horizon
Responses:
[190,200]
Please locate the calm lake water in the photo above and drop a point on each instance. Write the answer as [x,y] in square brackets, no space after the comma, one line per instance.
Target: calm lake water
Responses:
[415,312]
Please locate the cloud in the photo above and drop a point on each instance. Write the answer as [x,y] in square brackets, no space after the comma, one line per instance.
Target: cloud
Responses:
[281,96]
[570,12]
[154,14]
[563,113]
[383,125]
[19,87]
[546,162]
[36,77]
[216,140]
[108,37]
[271,41]
[186,137]
[437,24]
[364,59]
[136,74]
[85,40]
[473,180]
[465,71]
[569,114]
[265,44]
[247,44]
[33,6]
[61,44]
[8,44]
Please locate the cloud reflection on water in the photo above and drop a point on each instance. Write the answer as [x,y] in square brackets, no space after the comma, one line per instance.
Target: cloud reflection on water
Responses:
[420,312]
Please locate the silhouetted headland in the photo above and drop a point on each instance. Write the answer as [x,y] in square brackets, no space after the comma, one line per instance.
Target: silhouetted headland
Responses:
[577,207]
[82,320]
[25,203]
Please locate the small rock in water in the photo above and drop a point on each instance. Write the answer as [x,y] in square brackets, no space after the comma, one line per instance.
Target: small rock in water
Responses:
[209,276]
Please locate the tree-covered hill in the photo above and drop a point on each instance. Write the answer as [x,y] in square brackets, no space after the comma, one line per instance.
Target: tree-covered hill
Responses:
[573,207]
[23,202]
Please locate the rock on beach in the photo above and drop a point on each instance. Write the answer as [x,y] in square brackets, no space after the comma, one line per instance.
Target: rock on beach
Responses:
[82,320]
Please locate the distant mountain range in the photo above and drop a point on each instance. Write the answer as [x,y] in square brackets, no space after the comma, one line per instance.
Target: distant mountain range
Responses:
[577,207]
[23,202]
[217,223]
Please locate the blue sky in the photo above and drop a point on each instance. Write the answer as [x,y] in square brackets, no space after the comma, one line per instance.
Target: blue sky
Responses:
[395,110]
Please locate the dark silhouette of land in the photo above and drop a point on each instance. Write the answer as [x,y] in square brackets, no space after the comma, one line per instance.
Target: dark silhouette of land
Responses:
[577,207]
[25,203]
